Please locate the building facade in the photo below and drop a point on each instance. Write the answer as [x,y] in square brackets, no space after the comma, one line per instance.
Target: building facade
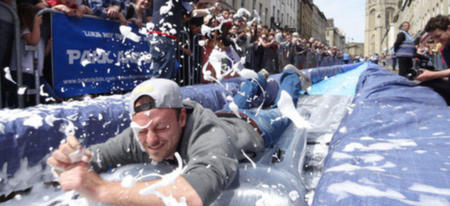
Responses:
[282,13]
[379,18]
[355,49]
[418,12]
[319,24]
[334,37]
[305,18]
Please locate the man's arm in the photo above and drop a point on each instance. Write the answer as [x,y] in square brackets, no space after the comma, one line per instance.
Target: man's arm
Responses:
[91,186]
[429,75]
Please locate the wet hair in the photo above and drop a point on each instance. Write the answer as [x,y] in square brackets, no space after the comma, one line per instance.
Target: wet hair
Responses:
[438,22]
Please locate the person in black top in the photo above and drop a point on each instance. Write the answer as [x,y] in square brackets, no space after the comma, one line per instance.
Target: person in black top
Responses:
[167,18]
[439,29]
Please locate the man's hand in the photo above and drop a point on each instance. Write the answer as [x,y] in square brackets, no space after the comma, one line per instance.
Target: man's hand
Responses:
[63,8]
[79,178]
[61,158]
[136,21]
[79,13]
[85,9]
[425,75]
[113,12]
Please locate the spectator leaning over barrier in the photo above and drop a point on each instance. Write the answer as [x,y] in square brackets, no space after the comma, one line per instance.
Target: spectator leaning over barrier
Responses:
[69,7]
[299,51]
[166,23]
[404,49]
[30,27]
[269,48]
[162,124]
[107,9]
[139,12]
[439,29]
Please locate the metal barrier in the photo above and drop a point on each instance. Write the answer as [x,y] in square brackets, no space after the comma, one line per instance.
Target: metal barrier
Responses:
[190,71]
[191,65]
[16,22]
[185,70]
[36,90]
[197,56]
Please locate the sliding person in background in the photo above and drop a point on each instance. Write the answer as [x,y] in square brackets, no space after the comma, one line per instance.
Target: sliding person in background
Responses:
[163,125]
[439,29]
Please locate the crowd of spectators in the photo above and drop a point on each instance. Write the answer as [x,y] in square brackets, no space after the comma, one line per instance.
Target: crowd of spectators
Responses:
[239,31]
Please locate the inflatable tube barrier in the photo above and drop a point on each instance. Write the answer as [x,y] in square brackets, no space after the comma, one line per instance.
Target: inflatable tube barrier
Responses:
[28,136]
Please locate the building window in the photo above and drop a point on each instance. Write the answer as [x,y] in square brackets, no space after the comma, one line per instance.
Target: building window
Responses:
[265,16]
[371,20]
[260,9]
[278,15]
[254,5]
[242,3]
[273,11]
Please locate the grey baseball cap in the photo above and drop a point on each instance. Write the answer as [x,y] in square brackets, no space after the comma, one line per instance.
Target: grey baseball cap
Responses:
[165,92]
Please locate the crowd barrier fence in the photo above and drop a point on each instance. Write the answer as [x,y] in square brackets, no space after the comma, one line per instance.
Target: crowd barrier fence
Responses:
[15,20]
[190,66]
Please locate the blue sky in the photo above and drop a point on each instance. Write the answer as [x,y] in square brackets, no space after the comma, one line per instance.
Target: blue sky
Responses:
[348,15]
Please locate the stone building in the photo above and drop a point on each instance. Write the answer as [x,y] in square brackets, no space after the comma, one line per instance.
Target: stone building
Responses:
[417,12]
[355,49]
[305,18]
[281,13]
[334,37]
[379,17]
[319,24]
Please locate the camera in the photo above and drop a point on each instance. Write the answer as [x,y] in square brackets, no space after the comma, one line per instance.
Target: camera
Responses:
[414,73]
[423,62]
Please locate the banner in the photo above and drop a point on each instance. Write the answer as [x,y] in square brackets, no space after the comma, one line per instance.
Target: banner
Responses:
[90,56]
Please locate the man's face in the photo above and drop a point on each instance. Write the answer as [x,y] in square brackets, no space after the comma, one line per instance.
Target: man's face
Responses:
[161,136]
[405,26]
[225,14]
[146,4]
[439,35]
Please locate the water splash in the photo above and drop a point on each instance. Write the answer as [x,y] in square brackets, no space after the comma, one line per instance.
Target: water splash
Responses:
[165,180]
[241,12]
[127,33]
[246,156]
[287,109]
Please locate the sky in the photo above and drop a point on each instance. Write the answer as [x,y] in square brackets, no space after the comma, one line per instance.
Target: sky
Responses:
[348,15]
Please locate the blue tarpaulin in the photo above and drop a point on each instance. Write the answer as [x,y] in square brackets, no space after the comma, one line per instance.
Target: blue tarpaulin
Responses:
[343,84]
[392,148]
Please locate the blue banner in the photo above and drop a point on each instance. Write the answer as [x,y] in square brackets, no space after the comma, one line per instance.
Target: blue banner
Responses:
[90,56]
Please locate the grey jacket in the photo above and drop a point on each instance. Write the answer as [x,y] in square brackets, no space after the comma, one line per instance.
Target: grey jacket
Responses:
[210,147]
